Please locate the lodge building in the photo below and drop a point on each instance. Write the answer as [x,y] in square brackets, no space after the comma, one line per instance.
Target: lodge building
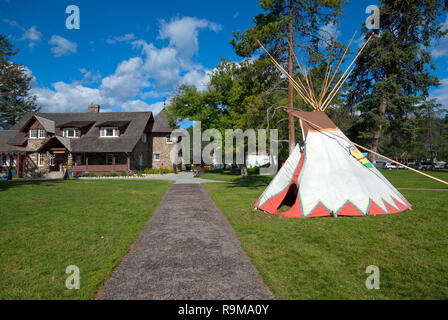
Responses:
[42,144]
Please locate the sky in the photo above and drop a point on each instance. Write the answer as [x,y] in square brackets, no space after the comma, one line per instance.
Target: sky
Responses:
[131,55]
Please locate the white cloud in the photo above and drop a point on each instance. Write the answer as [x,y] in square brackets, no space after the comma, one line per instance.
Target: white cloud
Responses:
[183,33]
[154,74]
[61,46]
[126,82]
[32,35]
[441,93]
[126,37]
[198,78]
[139,105]
[68,97]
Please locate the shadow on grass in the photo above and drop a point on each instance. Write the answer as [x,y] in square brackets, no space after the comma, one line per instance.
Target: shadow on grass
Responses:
[5,185]
[253,180]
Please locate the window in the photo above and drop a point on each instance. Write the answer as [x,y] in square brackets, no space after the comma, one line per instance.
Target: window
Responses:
[140,159]
[144,138]
[6,161]
[169,140]
[41,159]
[157,156]
[109,132]
[33,133]
[110,159]
[70,133]
[52,160]
[42,133]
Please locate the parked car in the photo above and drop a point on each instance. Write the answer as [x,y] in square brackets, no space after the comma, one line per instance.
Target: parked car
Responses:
[390,166]
[426,165]
[440,164]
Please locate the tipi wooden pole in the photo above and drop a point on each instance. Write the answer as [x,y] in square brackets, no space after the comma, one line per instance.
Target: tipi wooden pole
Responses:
[334,89]
[325,89]
[376,153]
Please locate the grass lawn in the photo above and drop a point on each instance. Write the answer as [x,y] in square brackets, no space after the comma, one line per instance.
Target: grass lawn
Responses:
[326,258]
[49,225]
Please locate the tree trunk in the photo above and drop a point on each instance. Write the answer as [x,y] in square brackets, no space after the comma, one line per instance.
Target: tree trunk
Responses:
[377,135]
[290,87]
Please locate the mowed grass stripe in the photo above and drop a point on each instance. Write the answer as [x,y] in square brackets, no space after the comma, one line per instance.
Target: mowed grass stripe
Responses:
[49,225]
[326,258]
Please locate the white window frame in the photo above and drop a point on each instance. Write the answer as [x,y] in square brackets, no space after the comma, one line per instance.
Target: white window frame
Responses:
[41,133]
[156,156]
[67,130]
[33,134]
[103,132]
[168,140]
[12,161]
[41,159]
[111,157]
[144,138]
[52,160]
[4,161]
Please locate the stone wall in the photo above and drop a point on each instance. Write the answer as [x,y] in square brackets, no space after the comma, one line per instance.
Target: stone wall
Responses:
[164,149]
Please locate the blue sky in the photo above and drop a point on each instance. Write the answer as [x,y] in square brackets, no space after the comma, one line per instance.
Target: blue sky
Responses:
[130,55]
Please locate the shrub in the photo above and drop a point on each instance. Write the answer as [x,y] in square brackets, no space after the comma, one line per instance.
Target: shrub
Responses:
[113,174]
[123,173]
[91,174]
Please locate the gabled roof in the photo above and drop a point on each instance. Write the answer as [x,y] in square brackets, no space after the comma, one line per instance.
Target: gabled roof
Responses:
[136,124]
[5,137]
[47,124]
[161,123]
[91,140]
[75,124]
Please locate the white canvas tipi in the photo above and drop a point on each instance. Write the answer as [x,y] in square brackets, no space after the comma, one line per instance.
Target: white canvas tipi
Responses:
[328,176]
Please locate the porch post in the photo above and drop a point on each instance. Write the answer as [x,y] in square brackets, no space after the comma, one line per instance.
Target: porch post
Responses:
[18,166]
[87,162]
[113,162]
[128,162]
[70,161]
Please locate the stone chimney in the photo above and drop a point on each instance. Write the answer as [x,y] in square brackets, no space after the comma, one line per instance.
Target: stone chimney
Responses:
[94,108]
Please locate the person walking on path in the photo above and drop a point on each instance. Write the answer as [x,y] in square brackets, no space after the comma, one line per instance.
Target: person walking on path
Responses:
[161,169]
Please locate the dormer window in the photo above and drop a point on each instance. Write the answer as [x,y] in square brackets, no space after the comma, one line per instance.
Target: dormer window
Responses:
[70,133]
[109,132]
[42,133]
[33,134]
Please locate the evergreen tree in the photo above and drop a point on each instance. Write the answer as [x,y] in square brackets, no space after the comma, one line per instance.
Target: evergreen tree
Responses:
[392,76]
[15,98]
[284,22]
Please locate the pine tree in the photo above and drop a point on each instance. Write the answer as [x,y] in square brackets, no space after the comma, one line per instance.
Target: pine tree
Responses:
[15,98]
[392,76]
[285,22]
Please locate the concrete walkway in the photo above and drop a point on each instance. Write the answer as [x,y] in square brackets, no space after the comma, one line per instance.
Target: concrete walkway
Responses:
[187,250]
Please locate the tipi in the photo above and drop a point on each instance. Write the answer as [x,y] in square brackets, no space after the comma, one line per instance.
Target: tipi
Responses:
[327,175]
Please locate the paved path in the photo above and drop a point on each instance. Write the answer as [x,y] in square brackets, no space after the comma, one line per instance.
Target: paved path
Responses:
[188,250]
